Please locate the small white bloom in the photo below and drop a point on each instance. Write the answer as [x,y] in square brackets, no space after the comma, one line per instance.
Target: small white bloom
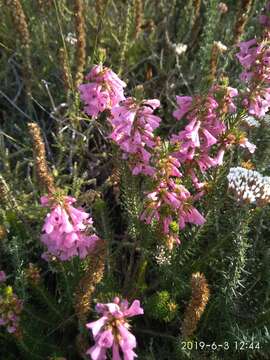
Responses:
[71,38]
[221,47]
[180,48]
[250,121]
[162,256]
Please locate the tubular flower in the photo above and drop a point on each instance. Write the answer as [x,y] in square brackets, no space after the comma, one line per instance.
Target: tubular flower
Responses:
[202,143]
[184,104]
[103,91]
[169,202]
[171,205]
[254,56]
[204,128]
[133,124]
[112,330]
[65,231]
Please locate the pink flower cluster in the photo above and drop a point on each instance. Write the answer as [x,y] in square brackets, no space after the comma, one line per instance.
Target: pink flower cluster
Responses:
[254,56]
[112,330]
[103,91]
[133,124]
[171,205]
[199,146]
[10,307]
[204,128]
[65,231]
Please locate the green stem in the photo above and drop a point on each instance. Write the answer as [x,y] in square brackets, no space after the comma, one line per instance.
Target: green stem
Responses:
[66,280]
[29,312]
[43,294]
[26,349]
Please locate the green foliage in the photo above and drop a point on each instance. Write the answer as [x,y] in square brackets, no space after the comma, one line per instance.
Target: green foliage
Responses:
[231,249]
[161,307]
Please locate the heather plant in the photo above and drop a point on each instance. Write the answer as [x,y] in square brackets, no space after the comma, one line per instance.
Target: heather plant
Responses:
[134,179]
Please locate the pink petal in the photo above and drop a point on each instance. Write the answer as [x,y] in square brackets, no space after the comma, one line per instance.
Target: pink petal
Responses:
[134,309]
[97,353]
[96,326]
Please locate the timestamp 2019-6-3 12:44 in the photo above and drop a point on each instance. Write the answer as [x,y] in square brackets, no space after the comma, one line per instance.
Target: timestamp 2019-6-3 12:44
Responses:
[226,345]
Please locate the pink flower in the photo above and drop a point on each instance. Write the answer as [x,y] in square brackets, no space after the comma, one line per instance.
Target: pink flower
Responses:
[64,230]
[171,199]
[248,53]
[204,127]
[103,91]
[205,161]
[170,204]
[197,184]
[254,56]
[248,145]
[166,224]
[231,93]
[3,276]
[112,330]
[184,104]
[209,139]
[142,168]
[133,125]
[219,157]
[172,167]
[259,104]
[191,133]
[190,215]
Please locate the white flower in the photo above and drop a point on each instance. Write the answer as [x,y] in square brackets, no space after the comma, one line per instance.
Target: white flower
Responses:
[71,38]
[180,48]
[251,121]
[221,47]
[162,256]
[249,186]
[222,8]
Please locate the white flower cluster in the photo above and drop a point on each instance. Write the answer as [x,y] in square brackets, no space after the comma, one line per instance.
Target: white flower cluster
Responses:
[162,256]
[221,47]
[250,121]
[249,186]
[179,48]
